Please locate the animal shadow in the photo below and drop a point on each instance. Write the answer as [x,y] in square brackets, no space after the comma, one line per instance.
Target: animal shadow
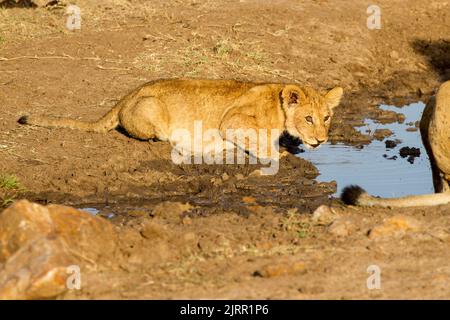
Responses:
[437,54]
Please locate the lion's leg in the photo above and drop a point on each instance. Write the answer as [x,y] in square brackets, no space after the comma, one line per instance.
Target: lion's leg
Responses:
[438,181]
[445,182]
[243,131]
[445,187]
[146,119]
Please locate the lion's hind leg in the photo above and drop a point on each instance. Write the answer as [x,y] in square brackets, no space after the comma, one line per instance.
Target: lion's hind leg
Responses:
[146,119]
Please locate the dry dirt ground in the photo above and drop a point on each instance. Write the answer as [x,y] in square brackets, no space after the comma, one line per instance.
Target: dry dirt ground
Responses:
[217,231]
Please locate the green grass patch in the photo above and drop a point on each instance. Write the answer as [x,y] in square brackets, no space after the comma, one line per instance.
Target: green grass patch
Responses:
[293,223]
[10,188]
[256,56]
[222,48]
[9,182]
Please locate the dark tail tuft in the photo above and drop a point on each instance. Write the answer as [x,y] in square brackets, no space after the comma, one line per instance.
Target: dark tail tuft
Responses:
[23,120]
[351,194]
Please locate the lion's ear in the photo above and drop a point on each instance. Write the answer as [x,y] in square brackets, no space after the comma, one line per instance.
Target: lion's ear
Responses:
[333,97]
[292,96]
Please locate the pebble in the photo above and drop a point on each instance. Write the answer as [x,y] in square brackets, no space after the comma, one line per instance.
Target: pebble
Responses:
[137,213]
[342,227]
[396,226]
[152,230]
[249,200]
[323,215]
[280,269]
[394,54]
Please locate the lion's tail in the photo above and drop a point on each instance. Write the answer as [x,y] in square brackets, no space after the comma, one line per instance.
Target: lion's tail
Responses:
[355,195]
[108,122]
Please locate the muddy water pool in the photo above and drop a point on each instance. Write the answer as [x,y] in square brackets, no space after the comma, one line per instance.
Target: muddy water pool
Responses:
[379,170]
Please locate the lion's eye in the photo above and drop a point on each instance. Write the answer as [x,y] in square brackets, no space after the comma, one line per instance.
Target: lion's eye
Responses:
[326,118]
[309,119]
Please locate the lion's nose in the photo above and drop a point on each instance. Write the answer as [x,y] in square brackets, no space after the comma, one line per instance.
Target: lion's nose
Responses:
[319,142]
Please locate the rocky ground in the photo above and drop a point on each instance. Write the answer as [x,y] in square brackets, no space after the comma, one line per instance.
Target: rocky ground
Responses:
[200,231]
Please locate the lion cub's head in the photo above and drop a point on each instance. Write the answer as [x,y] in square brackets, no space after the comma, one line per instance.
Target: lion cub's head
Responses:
[308,114]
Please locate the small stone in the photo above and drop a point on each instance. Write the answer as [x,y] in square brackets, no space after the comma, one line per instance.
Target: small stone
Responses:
[411,153]
[137,213]
[400,117]
[261,210]
[311,290]
[152,230]
[390,144]
[396,226]
[248,200]
[342,227]
[186,221]
[171,211]
[323,215]
[225,176]
[42,3]
[255,173]
[37,3]
[440,234]
[407,151]
[189,242]
[216,181]
[280,269]
[394,55]
[423,66]
[308,182]
[380,134]
[190,236]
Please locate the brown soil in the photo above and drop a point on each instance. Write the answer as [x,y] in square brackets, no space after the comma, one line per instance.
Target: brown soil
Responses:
[242,236]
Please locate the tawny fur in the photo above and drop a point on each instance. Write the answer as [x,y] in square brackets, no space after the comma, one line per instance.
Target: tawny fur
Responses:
[435,132]
[156,109]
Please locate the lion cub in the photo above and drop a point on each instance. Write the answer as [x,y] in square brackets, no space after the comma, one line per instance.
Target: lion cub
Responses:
[161,108]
